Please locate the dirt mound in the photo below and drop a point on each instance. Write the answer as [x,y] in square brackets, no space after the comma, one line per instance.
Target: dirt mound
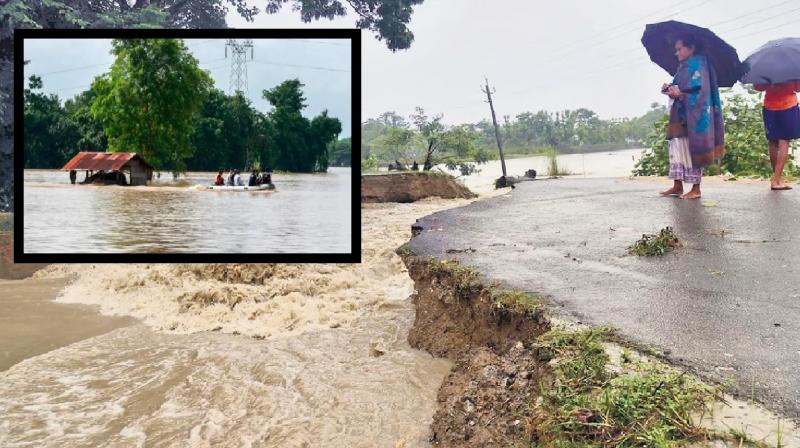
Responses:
[487,399]
[411,187]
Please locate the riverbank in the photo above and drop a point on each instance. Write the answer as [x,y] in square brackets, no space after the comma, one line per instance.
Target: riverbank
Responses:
[565,241]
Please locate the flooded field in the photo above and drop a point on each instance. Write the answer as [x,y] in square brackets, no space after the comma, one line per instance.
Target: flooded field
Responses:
[307,213]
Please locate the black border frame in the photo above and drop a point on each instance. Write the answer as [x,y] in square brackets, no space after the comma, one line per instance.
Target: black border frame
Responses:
[355,79]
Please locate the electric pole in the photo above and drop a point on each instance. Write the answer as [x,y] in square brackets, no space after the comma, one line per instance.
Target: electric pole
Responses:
[239,63]
[489,93]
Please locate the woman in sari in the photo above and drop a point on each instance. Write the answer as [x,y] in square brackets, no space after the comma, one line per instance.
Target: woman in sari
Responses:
[695,132]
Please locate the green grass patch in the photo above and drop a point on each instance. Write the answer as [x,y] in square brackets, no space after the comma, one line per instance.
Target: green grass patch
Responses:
[645,405]
[404,251]
[655,245]
[515,301]
[466,281]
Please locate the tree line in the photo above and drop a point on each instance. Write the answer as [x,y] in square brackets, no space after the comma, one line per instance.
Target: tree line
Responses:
[392,138]
[156,101]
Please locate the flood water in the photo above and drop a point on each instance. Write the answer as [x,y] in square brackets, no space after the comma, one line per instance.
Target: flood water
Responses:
[225,355]
[307,213]
[594,164]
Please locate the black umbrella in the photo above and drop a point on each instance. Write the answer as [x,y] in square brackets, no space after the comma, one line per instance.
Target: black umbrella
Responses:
[659,40]
[776,62]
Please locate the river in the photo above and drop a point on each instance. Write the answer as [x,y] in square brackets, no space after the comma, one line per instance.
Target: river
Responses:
[307,213]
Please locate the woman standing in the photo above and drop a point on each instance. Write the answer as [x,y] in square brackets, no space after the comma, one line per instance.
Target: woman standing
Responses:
[782,124]
[695,132]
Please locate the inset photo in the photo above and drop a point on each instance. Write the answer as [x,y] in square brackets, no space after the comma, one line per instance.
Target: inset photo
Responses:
[187,145]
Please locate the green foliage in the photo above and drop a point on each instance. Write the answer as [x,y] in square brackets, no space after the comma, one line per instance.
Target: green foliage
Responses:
[54,134]
[148,100]
[646,405]
[655,245]
[297,144]
[225,132]
[369,164]
[465,147]
[517,302]
[746,146]
[341,152]
[552,163]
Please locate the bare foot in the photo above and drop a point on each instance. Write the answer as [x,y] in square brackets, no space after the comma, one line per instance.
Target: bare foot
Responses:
[691,195]
[780,186]
[672,191]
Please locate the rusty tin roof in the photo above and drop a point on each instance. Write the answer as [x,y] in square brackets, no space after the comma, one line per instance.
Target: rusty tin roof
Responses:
[107,161]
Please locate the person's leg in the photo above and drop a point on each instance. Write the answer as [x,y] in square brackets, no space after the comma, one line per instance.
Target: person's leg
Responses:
[676,168]
[693,176]
[677,188]
[773,153]
[780,161]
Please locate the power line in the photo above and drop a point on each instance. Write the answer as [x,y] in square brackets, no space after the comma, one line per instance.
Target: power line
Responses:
[766,31]
[73,69]
[301,66]
[747,25]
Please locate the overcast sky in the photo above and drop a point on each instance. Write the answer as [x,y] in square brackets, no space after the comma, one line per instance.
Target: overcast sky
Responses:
[323,65]
[538,55]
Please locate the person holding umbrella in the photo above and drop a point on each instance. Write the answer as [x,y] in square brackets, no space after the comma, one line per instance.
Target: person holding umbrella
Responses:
[701,63]
[781,123]
[774,68]
[695,129]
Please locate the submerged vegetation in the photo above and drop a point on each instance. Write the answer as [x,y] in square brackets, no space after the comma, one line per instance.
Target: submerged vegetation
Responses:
[655,245]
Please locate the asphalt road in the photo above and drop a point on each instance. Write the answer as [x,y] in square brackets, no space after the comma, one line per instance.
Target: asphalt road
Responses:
[726,304]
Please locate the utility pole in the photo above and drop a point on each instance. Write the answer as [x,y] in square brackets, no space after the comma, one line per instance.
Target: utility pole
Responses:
[489,93]
[239,63]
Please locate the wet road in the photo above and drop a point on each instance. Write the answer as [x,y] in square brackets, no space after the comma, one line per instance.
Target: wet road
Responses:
[726,304]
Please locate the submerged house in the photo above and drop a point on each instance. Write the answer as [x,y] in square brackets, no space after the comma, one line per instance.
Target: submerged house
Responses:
[110,168]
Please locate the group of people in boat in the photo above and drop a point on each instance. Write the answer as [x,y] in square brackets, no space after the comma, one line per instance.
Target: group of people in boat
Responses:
[234,179]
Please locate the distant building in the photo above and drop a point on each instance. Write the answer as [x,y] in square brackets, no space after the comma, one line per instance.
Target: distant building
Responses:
[111,168]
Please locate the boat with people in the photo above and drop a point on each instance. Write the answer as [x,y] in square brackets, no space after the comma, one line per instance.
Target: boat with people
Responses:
[268,187]
[257,182]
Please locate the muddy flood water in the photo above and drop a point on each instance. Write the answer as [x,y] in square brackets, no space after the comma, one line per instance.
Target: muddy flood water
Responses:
[307,213]
[228,355]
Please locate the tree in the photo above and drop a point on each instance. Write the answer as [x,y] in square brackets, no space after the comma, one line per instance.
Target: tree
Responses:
[341,152]
[398,144]
[48,131]
[323,131]
[148,100]
[431,130]
[295,143]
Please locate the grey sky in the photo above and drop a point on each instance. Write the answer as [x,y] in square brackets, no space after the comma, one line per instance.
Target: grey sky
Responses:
[324,89]
[528,50]
[538,55]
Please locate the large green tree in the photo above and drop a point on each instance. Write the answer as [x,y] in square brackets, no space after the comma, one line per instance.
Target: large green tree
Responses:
[294,143]
[149,99]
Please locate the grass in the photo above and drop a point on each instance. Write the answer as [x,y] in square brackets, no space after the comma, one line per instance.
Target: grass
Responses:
[552,164]
[647,404]
[516,301]
[466,281]
[404,251]
[655,245]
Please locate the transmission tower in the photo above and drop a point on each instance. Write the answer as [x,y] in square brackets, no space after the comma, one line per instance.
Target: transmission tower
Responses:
[238,63]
